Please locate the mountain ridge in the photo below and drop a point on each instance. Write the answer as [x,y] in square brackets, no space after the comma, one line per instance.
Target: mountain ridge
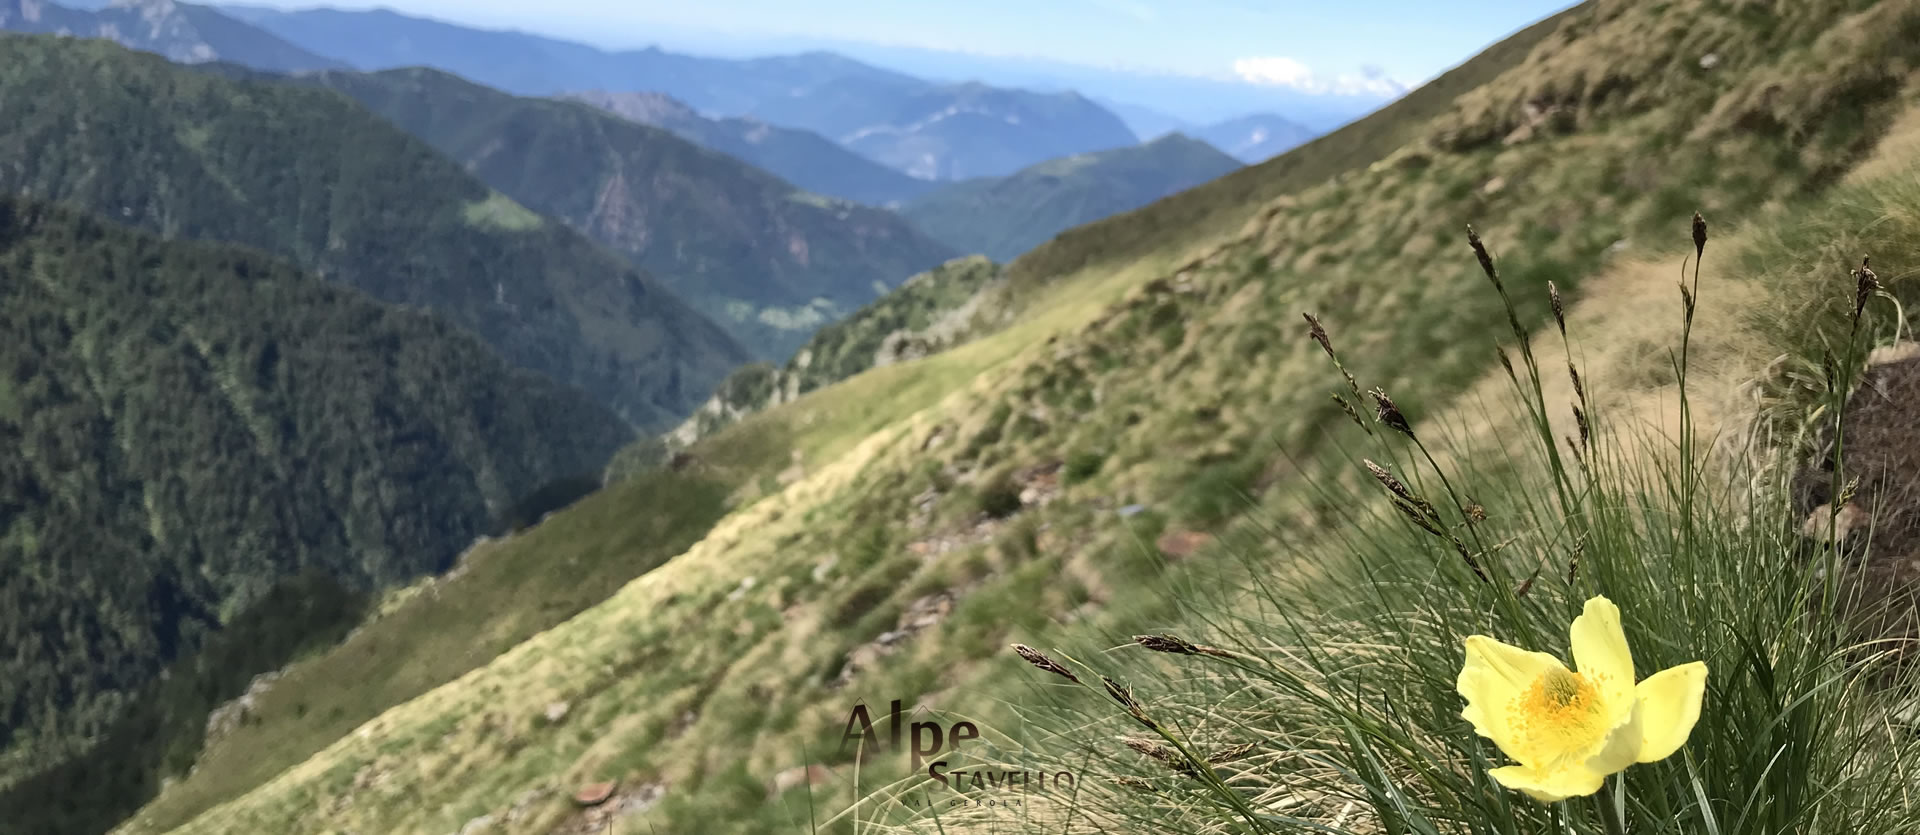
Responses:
[1003,217]
[310,175]
[806,159]
[891,117]
[182,32]
[751,251]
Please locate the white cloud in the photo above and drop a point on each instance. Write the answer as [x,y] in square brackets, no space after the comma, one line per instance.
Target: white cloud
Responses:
[1281,71]
[1275,70]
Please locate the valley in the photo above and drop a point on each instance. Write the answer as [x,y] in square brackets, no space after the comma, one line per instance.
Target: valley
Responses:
[420,427]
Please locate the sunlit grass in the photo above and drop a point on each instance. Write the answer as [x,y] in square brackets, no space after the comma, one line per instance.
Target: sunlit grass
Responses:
[1336,696]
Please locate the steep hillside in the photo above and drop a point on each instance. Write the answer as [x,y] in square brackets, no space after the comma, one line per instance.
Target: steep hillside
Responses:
[806,159]
[182,32]
[190,427]
[929,313]
[1257,138]
[309,175]
[1003,217]
[1061,473]
[768,262]
[929,130]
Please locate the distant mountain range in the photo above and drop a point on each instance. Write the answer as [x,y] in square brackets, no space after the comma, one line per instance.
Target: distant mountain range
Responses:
[1256,138]
[1003,217]
[927,129]
[182,32]
[767,261]
[801,157]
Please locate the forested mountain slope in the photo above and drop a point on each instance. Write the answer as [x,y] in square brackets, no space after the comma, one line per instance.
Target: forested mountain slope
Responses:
[309,175]
[186,427]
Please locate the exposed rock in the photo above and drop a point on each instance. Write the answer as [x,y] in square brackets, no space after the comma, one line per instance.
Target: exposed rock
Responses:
[920,615]
[228,716]
[596,820]
[806,775]
[1179,545]
[1881,547]
[477,825]
[746,585]
[594,794]
[682,724]
[557,711]
[1823,525]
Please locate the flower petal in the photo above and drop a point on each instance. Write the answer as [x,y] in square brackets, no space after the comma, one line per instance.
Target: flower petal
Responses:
[1621,748]
[1600,653]
[1549,786]
[1669,707]
[1494,675]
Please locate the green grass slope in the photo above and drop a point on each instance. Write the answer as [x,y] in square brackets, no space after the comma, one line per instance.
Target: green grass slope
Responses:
[767,261]
[1060,472]
[309,175]
[190,426]
[1005,216]
[931,312]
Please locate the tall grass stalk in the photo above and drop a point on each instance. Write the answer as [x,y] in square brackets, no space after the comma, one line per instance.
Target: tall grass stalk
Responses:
[1330,666]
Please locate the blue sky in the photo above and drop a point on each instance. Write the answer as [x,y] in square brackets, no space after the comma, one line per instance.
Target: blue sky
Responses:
[1317,46]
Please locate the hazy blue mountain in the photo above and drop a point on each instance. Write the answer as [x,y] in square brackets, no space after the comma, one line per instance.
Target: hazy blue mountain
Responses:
[1146,123]
[1258,137]
[180,31]
[928,129]
[804,158]
[1002,217]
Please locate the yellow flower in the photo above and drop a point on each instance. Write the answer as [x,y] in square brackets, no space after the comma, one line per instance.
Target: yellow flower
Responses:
[1570,730]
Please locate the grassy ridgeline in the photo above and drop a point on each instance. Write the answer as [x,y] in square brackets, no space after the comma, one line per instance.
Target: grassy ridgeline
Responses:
[1326,698]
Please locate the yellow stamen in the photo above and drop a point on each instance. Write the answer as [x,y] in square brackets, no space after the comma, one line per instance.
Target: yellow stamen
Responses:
[1560,713]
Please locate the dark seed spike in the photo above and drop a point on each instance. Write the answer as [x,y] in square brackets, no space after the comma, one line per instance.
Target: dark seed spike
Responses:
[1559,312]
[1166,643]
[1319,334]
[1231,753]
[1699,236]
[1480,252]
[1527,586]
[1579,390]
[1040,659]
[1580,419]
[1866,284]
[1389,414]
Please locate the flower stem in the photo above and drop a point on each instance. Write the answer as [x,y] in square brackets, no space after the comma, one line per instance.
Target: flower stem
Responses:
[1613,806]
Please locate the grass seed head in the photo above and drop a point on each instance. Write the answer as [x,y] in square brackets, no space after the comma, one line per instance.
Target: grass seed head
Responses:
[1351,412]
[1699,235]
[1040,659]
[1559,311]
[1389,414]
[1166,643]
[1319,334]
[1866,284]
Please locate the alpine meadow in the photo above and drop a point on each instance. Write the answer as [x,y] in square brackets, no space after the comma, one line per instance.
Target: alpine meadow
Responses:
[673,443]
